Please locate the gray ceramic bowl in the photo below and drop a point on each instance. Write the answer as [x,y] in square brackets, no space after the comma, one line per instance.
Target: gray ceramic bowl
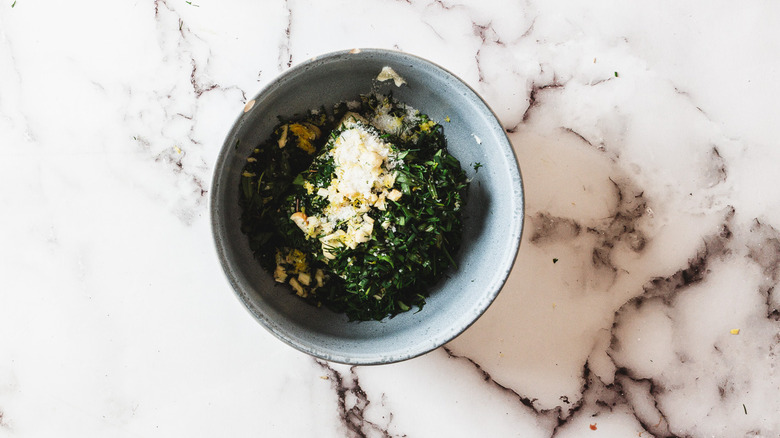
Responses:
[493,216]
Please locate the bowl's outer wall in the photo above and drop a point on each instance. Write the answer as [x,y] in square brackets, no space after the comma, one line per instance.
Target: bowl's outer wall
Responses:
[493,215]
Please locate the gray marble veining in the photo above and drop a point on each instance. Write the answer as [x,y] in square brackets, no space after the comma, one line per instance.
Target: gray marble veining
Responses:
[644,300]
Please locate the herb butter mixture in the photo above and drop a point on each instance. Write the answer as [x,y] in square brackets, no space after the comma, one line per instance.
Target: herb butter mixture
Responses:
[358,210]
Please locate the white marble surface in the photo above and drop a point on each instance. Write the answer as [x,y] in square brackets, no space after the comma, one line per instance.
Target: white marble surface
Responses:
[647,137]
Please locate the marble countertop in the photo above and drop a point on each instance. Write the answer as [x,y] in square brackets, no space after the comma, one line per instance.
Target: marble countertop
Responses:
[644,301]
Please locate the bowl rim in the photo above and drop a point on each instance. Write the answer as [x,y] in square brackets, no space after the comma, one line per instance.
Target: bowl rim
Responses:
[441,339]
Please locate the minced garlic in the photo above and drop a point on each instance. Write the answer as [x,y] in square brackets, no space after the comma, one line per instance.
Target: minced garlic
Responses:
[292,268]
[388,73]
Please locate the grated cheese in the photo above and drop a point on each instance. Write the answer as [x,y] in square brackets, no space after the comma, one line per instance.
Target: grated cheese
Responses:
[364,179]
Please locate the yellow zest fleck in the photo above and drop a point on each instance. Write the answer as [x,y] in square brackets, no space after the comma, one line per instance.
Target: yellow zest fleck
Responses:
[324,377]
[177,149]
[734,331]
[248,174]
[251,160]
[305,133]
[298,259]
[426,126]
[447,119]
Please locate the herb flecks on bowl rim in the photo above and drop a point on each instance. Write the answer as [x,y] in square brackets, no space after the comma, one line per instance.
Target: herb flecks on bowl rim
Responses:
[357,209]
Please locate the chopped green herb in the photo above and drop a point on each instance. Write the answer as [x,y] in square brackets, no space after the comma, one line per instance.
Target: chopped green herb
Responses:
[555,261]
[616,74]
[477,166]
[744,408]
[13,4]
[412,235]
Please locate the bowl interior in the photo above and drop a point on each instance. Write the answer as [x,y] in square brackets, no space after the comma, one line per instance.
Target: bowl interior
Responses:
[492,217]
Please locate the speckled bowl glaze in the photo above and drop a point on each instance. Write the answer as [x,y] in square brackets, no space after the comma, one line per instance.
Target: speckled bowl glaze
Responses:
[493,216]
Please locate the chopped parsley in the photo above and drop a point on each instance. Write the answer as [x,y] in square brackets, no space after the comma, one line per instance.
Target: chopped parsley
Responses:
[477,166]
[365,227]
